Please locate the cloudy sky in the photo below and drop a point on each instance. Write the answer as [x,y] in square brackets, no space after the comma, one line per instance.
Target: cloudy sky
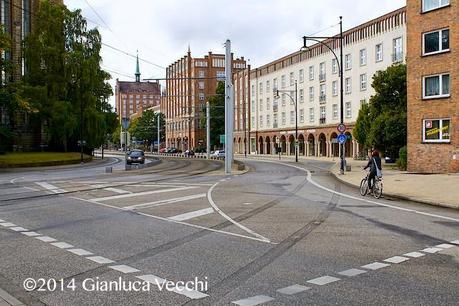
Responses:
[260,30]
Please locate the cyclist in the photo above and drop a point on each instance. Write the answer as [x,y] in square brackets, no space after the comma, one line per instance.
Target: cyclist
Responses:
[375,168]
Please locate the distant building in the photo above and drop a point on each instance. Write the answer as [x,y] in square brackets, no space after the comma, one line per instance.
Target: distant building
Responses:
[433,86]
[132,98]
[190,83]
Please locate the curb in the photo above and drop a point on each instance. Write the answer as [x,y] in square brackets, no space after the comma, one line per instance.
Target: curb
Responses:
[9,299]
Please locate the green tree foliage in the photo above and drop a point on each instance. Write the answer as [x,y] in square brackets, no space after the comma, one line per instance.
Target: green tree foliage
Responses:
[382,124]
[217,116]
[146,127]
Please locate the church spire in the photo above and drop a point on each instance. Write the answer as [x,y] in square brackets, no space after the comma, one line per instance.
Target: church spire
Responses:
[137,70]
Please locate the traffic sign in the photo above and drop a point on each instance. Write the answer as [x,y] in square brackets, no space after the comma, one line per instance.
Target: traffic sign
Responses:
[222,139]
[125,123]
[341,128]
[342,138]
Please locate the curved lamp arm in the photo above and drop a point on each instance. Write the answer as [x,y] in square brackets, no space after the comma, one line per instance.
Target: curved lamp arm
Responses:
[305,47]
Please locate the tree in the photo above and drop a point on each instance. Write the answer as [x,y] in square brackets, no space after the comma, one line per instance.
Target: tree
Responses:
[217,115]
[383,123]
[146,127]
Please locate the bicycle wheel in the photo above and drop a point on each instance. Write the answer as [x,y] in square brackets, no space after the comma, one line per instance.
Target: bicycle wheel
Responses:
[364,187]
[377,189]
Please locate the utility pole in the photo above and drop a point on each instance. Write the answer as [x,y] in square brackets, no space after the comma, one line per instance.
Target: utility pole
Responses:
[296,122]
[229,109]
[159,130]
[342,163]
[207,129]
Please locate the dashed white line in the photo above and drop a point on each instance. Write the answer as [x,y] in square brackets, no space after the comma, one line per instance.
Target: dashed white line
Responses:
[152,279]
[414,254]
[167,201]
[323,280]
[396,259]
[19,229]
[455,242]
[100,260]
[192,214]
[46,239]
[7,224]
[116,190]
[138,194]
[431,250]
[52,188]
[158,281]
[444,246]
[2,220]
[352,272]
[254,300]
[294,289]
[80,252]
[124,269]
[31,234]
[375,266]
[62,245]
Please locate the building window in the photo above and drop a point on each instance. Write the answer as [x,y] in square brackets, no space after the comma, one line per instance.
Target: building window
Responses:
[268,86]
[261,105]
[363,82]
[363,57]
[334,66]
[301,115]
[201,73]
[436,42]
[261,121]
[323,115]
[335,111]
[275,124]
[275,84]
[437,130]
[398,50]
[292,117]
[379,52]
[429,5]
[348,62]
[322,74]
[436,86]
[301,95]
[311,115]
[283,83]
[301,75]
[260,88]
[253,90]
[220,75]
[323,93]
[268,121]
[284,97]
[292,78]
[335,88]
[201,85]
[362,102]
[311,73]
[311,94]
[348,85]
[253,122]
[284,118]
[348,110]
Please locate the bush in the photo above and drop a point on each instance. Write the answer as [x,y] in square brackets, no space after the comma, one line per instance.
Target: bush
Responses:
[403,158]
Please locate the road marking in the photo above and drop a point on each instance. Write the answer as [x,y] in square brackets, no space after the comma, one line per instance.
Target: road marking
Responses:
[375,266]
[455,242]
[46,239]
[157,281]
[188,184]
[247,203]
[193,214]
[31,234]
[116,190]
[396,259]
[444,246]
[62,245]
[323,280]
[19,229]
[124,269]
[52,188]
[212,203]
[152,279]
[30,188]
[80,252]
[123,196]
[167,201]
[254,300]
[431,250]
[352,272]
[7,224]
[100,259]
[2,220]
[414,254]
[294,289]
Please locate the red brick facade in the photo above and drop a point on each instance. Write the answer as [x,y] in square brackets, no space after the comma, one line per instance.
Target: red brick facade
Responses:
[427,156]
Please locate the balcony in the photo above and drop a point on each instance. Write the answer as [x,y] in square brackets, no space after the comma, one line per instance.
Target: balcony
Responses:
[322,120]
[397,57]
[322,99]
[322,77]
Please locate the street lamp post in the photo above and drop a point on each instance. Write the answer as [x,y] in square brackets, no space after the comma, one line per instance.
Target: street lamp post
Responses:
[339,61]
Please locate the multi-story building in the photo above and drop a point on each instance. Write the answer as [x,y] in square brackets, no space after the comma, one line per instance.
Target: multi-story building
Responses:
[132,98]
[190,82]
[433,86]
[367,48]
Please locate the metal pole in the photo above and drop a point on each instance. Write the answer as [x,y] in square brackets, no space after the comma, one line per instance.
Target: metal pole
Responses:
[296,121]
[341,90]
[81,131]
[229,109]
[159,131]
[207,129]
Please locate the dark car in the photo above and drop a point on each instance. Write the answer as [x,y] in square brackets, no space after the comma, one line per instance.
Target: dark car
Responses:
[172,150]
[135,157]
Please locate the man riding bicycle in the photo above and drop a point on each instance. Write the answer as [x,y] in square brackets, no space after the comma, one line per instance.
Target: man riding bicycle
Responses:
[375,168]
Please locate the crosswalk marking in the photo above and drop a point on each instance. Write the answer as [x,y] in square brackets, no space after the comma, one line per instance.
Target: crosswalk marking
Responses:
[124,269]
[46,239]
[254,300]
[431,250]
[324,280]
[52,188]
[158,281]
[167,201]
[294,289]
[31,234]
[116,190]
[62,245]
[100,259]
[138,194]
[19,229]
[352,272]
[375,266]
[444,246]
[414,254]
[7,224]
[192,214]
[79,252]
[396,259]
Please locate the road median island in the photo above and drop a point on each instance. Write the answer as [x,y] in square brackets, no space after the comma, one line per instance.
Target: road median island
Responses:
[40,159]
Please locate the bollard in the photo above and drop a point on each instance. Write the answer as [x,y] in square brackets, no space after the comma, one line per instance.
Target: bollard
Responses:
[108,169]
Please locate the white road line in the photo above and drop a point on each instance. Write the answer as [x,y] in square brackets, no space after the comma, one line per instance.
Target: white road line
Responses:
[375,266]
[444,246]
[396,259]
[167,201]
[309,178]
[116,190]
[254,300]
[19,229]
[431,250]
[414,254]
[294,289]
[323,280]
[62,245]
[138,194]
[46,239]
[187,184]
[352,272]
[80,252]
[124,269]
[455,242]
[7,224]
[152,279]
[30,188]
[31,234]
[1,220]
[158,281]
[100,260]
[50,187]
[192,214]
[212,203]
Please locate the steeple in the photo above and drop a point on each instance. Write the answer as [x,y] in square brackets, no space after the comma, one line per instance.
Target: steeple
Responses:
[137,70]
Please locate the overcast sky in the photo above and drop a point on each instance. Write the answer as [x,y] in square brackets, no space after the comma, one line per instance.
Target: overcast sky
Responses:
[260,30]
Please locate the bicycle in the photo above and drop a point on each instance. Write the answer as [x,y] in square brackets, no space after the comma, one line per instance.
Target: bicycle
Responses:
[377,186]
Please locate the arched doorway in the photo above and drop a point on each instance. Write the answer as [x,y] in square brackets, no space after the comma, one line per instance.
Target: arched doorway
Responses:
[348,145]
[178,144]
[268,145]
[312,145]
[322,145]
[301,145]
[283,144]
[276,145]
[260,145]
[334,145]
[291,141]
[239,146]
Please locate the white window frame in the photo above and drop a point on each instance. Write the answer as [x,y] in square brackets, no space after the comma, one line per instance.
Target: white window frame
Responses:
[301,95]
[348,85]
[396,51]
[311,94]
[334,66]
[301,115]
[292,117]
[348,110]
[284,118]
[268,86]
[440,50]
[335,88]
[268,104]
[441,95]
[363,57]
[435,8]
[301,75]
[348,61]
[424,140]
[335,111]
[311,115]
[379,58]
[283,81]
[363,82]
[292,78]
[311,73]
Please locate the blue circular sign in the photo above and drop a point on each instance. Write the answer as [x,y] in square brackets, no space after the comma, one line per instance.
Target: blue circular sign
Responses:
[342,138]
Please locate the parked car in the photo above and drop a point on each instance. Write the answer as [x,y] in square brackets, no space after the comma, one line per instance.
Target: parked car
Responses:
[219,153]
[135,157]
[189,153]
[172,150]
[163,150]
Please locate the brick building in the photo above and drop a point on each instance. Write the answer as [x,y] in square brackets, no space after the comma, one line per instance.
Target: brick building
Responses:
[190,82]
[433,86]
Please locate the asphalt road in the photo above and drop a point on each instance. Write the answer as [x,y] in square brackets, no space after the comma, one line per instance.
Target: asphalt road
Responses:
[280,234]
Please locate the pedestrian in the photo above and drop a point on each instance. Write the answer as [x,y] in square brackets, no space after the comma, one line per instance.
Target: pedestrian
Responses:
[374,163]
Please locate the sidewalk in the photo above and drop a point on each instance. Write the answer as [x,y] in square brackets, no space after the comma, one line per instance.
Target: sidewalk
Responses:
[8,300]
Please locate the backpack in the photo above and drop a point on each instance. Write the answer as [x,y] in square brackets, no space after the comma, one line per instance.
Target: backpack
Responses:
[378,172]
